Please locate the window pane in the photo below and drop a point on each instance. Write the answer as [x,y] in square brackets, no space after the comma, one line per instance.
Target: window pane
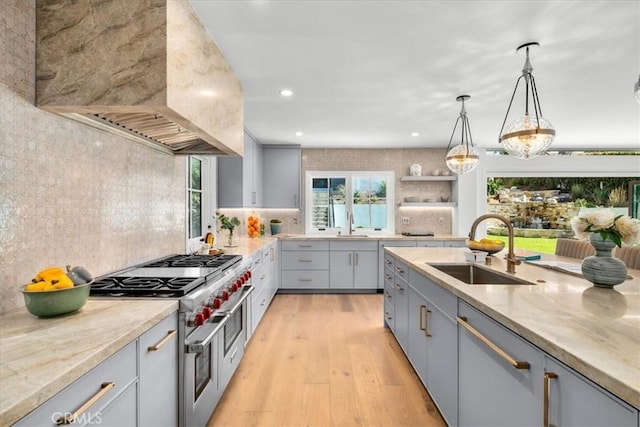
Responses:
[195,215]
[369,202]
[195,167]
[338,202]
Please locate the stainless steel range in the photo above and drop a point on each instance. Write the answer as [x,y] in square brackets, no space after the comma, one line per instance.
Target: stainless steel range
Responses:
[212,291]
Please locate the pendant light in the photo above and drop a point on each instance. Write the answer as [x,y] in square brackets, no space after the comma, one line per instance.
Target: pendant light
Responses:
[636,88]
[527,136]
[462,158]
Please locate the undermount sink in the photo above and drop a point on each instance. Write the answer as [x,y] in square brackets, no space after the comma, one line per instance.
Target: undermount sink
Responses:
[474,275]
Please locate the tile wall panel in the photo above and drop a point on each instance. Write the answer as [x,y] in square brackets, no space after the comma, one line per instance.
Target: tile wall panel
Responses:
[70,194]
[397,160]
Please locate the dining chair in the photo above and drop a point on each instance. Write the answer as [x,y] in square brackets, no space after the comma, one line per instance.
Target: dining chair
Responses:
[574,248]
[630,255]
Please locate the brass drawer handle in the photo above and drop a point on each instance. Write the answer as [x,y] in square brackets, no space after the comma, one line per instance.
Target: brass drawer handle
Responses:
[388,262]
[399,270]
[426,324]
[304,279]
[69,419]
[548,376]
[400,288]
[500,352]
[305,246]
[420,317]
[165,340]
[304,260]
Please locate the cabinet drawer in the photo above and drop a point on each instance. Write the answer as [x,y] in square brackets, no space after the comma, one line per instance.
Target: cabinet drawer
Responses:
[388,277]
[305,260]
[119,369]
[440,298]
[389,314]
[401,269]
[305,245]
[305,279]
[389,261]
[229,363]
[341,245]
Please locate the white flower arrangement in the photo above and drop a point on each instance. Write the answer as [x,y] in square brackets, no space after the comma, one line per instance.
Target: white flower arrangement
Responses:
[619,229]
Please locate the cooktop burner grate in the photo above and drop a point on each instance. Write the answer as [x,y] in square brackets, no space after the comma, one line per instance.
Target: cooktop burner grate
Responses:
[145,286]
[214,261]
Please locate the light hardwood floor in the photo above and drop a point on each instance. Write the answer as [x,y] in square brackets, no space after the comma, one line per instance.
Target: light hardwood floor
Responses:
[325,360]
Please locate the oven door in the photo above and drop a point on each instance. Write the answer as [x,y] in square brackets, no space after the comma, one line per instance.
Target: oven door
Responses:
[233,337]
[201,388]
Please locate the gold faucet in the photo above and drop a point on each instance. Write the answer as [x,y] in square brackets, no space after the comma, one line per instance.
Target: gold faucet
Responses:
[511,258]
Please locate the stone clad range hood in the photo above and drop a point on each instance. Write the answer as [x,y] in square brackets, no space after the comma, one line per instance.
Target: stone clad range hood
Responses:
[147,70]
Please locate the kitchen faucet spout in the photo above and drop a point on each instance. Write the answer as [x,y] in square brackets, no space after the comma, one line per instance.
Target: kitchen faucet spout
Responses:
[511,258]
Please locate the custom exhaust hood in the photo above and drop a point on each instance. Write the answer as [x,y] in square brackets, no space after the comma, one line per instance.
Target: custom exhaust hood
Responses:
[147,70]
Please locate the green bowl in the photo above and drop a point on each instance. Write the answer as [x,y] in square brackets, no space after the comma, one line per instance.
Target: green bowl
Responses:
[56,302]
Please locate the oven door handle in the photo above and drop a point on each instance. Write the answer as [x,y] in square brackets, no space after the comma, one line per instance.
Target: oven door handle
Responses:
[246,290]
[198,345]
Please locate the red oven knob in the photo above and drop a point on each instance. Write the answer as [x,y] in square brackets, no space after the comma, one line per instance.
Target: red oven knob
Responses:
[207,312]
[242,280]
[225,295]
[247,275]
[217,303]
[198,319]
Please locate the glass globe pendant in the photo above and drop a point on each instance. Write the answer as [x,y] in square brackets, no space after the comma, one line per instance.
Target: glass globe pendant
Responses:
[530,135]
[462,158]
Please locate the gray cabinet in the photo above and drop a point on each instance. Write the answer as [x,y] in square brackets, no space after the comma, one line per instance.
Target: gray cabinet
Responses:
[575,401]
[381,255]
[353,265]
[433,330]
[112,385]
[304,264]
[240,179]
[492,390]
[263,281]
[282,176]
[401,303]
[158,365]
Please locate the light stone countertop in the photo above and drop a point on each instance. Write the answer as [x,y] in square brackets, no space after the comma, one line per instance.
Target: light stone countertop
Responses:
[595,331]
[40,357]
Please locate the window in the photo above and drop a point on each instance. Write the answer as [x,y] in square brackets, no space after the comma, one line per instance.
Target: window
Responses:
[194,197]
[337,201]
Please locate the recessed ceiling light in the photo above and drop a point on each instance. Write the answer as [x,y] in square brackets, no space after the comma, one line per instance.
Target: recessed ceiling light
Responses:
[299,134]
[286,92]
[415,134]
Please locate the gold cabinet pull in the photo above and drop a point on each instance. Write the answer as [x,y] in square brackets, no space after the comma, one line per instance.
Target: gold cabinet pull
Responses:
[69,419]
[172,333]
[500,352]
[304,260]
[388,262]
[426,323]
[422,308]
[548,376]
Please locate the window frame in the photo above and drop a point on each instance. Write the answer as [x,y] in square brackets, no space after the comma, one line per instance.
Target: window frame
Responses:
[350,176]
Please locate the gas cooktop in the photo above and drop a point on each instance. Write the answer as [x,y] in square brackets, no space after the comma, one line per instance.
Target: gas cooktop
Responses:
[170,277]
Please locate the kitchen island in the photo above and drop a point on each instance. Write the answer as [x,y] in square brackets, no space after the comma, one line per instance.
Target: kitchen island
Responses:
[594,331]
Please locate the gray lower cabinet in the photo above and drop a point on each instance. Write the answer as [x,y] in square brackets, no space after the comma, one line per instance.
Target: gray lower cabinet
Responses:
[158,364]
[492,390]
[401,304]
[384,258]
[304,264]
[353,265]
[111,386]
[433,330]
[575,401]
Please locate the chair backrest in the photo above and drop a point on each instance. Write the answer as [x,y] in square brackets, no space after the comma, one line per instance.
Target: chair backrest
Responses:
[630,255]
[574,248]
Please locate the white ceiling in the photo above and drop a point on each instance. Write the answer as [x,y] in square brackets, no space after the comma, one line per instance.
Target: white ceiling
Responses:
[369,73]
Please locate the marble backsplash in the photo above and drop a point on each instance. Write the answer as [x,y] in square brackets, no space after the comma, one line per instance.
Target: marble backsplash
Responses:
[70,194]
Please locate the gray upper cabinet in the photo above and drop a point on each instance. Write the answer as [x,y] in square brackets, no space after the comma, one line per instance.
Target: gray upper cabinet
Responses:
[240,179]
[282,176]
